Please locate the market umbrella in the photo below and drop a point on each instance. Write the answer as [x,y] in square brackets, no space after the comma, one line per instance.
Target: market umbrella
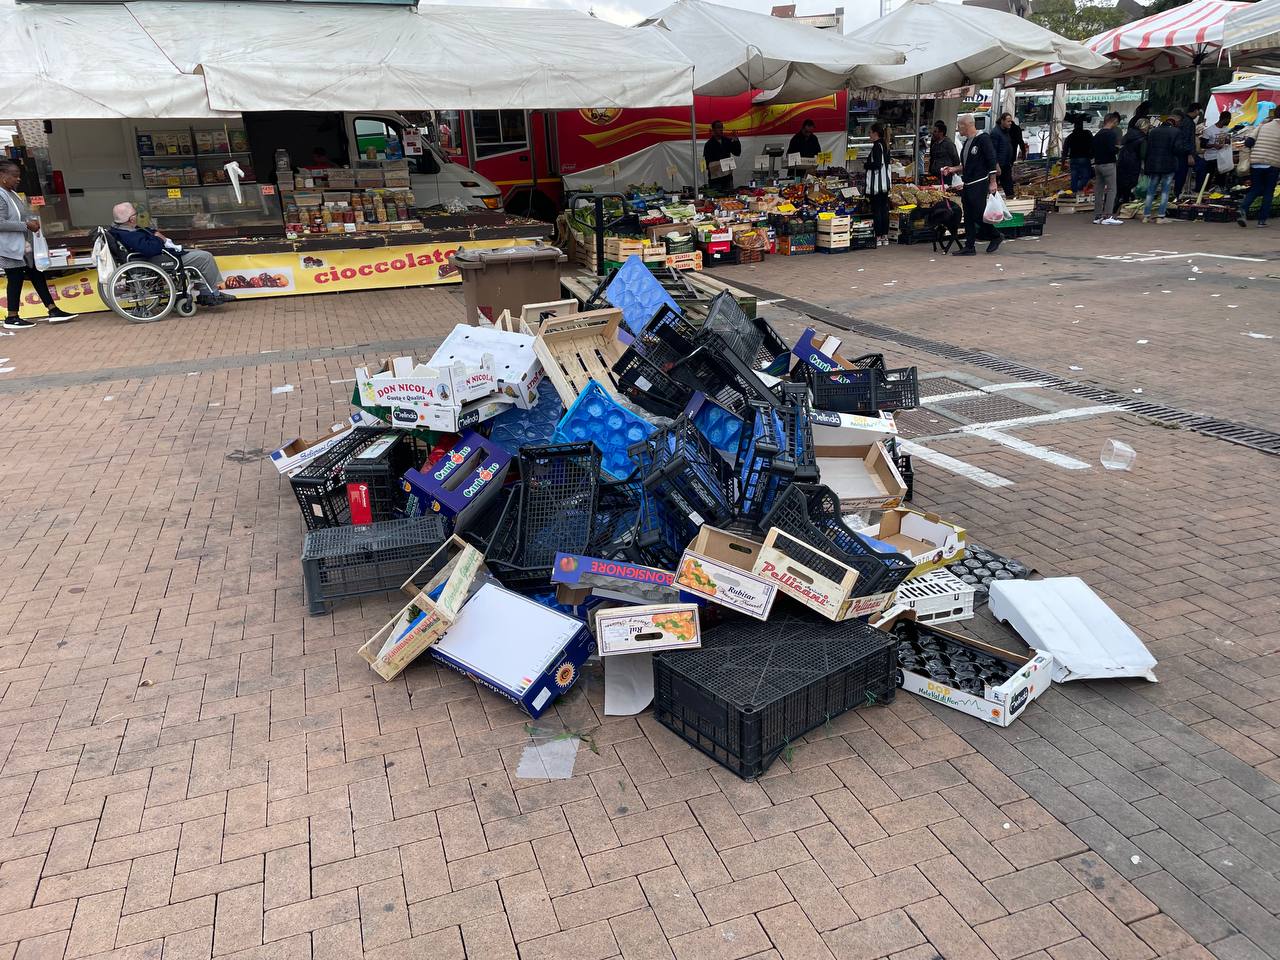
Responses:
[949,45]
[1174,41]
[89,61]
[735,51]
[306,56]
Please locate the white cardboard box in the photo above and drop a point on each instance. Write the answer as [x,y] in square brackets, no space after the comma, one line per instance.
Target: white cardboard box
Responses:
[404,380]
[449,419]
[863,477]
[516,367]
[924,537]
[668,626]
[832,429]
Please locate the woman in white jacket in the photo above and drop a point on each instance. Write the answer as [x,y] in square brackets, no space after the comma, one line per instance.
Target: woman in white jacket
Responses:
[17,227]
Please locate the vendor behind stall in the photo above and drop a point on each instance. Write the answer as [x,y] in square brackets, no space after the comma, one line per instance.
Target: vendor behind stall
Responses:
[720,147]
[804,142]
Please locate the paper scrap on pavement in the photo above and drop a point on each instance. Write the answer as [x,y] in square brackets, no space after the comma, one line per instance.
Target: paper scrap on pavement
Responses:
[549,759]
[287,388]
[628,683]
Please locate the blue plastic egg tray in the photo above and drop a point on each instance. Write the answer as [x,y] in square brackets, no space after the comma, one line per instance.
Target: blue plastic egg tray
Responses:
[597,417]
[720,427]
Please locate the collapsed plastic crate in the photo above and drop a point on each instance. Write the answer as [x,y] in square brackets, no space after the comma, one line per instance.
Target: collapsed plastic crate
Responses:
[798,429]
[631,524]
[722,376]
[635,291]
[647,385]
[810,514]
[516,428]
[598,418]
[372,476]
[339,563]
[754,688]
[865,390]
[721,428]
[750,339]
[683,470]
[903,462]
[553,510]
[764,464]
[319,486]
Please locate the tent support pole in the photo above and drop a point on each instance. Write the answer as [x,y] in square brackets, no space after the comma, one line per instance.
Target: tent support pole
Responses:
[1197,96]
[693,147]
[915,137]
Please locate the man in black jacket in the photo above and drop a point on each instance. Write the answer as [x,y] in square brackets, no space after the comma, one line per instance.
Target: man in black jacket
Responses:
[1186,146]
[1162,160]
[805,142]
[942,152]
[720,147]
[980,171]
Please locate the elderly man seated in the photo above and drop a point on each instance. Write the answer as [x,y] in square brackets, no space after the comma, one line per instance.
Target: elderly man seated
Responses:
[151,243]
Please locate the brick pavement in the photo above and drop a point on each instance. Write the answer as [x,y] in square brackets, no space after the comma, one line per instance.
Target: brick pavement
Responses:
[194,767]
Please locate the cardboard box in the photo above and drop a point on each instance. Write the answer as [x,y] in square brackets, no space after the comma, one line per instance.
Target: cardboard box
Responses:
[580,347]
[821,351]
[449,419]
[718,565]
[460,483]
[685,261]
[832,429]
[830,223]
[457,569]
[404,381]
[534,314]
[646,629]
[297,453]
[780,562]
[999,705]
[613,579]
[926,538]
[516,367]
[721,168]
[516,647]
[864,477]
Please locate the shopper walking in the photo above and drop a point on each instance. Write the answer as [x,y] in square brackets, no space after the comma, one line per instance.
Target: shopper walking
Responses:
[878,177]
[1162,160]
[17,228]
[1079,150]
[1264,170]
[980,171]
[1004,155]
[1106,151]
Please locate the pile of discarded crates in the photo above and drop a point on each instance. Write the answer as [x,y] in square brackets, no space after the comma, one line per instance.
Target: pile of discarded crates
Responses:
[714,513]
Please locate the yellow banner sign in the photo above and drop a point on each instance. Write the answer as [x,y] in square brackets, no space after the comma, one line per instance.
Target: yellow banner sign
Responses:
[289,274]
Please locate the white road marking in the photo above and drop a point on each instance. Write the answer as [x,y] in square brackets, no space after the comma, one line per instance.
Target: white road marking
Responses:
[1070,414]
[979,476]
[1031,449]
[958,395]
[1153,255]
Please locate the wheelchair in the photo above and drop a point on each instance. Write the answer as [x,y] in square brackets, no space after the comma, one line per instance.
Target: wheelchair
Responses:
[142,291]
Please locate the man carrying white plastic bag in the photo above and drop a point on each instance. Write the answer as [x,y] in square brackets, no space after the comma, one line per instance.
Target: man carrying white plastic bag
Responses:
[979,172]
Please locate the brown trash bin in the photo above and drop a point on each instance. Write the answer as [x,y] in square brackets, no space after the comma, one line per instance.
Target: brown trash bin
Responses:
[507,278]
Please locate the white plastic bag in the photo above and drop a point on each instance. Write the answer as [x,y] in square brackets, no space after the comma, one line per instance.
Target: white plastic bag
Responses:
[102,259]
[957,181]
[996,211]
[40,251]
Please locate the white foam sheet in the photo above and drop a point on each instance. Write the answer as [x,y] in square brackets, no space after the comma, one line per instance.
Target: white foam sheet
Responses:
[1064,618]
[628,683]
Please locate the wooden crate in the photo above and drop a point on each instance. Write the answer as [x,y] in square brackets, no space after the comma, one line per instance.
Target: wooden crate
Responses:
[577,348]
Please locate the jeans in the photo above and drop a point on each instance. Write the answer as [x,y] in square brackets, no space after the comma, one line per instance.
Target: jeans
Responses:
[1081,173]
[1164,181]
[1263,185]
[1104,190]
[16,276]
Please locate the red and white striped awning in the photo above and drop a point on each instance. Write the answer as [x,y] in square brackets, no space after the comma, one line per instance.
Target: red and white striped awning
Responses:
[1177,39]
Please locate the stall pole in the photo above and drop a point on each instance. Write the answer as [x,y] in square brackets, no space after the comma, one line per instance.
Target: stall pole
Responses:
[1197,96]
[915,136]
[693,132]
[1055,122]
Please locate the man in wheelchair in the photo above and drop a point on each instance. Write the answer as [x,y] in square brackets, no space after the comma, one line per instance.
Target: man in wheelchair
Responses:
[156,247]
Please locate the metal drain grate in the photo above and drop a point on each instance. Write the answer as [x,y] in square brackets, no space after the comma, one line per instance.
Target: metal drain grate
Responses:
[988,409]
[1266,441]
[920,422]
[940,386]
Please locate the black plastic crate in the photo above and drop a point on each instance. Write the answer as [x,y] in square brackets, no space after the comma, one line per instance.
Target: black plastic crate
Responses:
[753,689]
[554,510]
[764,463]
[751,339]
[798,429]
[903,462]
[723,377]
[647,385]
[319,486]
[379,467]
[865,390]
[680,467]
[339,563]
[810,514]
[633,525]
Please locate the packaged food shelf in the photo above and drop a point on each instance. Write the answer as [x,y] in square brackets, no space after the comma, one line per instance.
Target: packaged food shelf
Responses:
[339,563]
[372,476]
[553,511]
[754,688]
[865,390]
[320,487]
[811,513]
[937,597]
[764,463]
[680,467]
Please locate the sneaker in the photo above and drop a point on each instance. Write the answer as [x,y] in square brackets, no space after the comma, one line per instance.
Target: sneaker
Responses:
[223,297]
[17,323]
[1241,222]
[60,316]
[1145,218]
[1097,220]
[1262,223]
[1112,222]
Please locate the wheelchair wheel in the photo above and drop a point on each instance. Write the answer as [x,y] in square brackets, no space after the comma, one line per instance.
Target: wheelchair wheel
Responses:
[186,305]
[141,292]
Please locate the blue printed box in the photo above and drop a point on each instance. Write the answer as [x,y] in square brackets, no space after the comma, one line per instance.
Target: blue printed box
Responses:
[460,482]
[615,579]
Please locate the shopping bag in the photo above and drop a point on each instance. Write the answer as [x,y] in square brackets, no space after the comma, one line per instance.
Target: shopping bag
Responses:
[102,258]
[996,211]
[1143,185]
[957,182]
[1244,166]
[40,251]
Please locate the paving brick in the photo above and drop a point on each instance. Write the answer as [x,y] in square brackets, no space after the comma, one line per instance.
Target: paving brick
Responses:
[627,861]
[785,817]
[1121,897]
[949,934]
[639,935]
[1033,886]
[813,890]
[163,921]
[912,814]
[1104,930]
[1179,824]
[284,922]
[904,850]
[793,934]
[1116,849]
[1038,846]
[763,856]
[237,921]
[877,937]
[675,905]
[96,921]
[726,941]
[528,908]
[979,857]
[891,891]
[962,890]
[1026,931]
[599,903]
[594,941]
[384,913]
[832,852]
[1186,908]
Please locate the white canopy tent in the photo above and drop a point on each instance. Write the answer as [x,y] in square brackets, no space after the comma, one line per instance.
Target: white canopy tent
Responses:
[89,61]
[734,51]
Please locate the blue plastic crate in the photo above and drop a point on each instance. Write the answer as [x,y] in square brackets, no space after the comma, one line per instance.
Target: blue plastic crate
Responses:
[765,466]
[718,425]
[597,417]
[638,294]
[517,428]
[681,468]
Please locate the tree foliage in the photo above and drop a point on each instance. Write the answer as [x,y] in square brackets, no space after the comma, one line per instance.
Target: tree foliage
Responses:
[1073,20]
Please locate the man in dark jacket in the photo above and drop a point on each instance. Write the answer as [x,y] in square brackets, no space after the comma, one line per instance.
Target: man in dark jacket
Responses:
[1106,151]
[1129,163]
[1079,152]
[1004,155]
[805,142]
[980,171]
[1186,145]
[151,243]
[942,151]
[720,147]
[1162,160]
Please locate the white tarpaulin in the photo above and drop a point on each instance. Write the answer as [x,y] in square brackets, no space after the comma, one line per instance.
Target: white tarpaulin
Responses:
[335,57]
[950,45]
[1064,618]
[735,50]
[88,61]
